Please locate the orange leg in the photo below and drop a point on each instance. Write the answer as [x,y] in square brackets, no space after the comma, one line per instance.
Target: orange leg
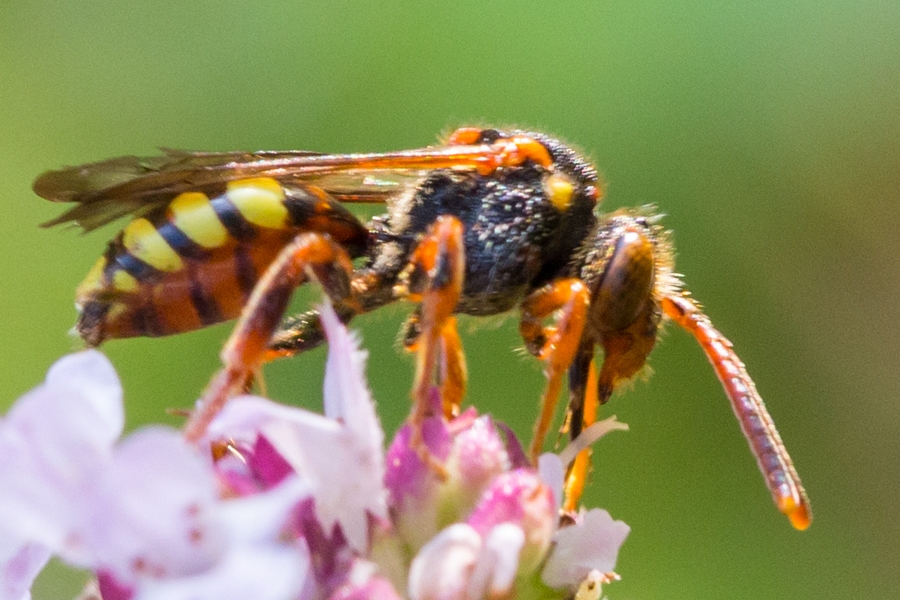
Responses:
[623,319]
[308,255]
[453,375]
[556,345]
[303,332]
[434,277]
[625,353]
[576,477]
[758,427]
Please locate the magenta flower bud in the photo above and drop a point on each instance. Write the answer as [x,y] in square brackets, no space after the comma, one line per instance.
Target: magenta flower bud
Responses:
[413,487]
[478,456]
[406,477]
[375,588]
[111,589]
[472,452]
[522,499]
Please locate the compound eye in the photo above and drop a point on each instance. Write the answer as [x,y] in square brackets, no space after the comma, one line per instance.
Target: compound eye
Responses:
[489,136]
[559,190]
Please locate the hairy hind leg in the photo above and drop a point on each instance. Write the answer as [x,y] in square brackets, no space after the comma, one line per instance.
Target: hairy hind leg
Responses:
[623,319]
[434,277]
[309,255]
[451,374]
[556,344]
[296,334]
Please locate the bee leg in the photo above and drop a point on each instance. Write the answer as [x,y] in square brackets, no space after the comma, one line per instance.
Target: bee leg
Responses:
[452,373]
[299,333]
[759,429]
[434,277]
[625,354]
[624,319]
[309,255]
[584,405]
[556,345]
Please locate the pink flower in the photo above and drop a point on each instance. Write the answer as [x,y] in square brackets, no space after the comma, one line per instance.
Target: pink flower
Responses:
[510,539]
[590,545]
[20,563]
[295,506]
[144,512]
[340,455]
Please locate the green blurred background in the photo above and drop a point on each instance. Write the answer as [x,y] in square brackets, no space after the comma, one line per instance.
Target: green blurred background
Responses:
[768,133]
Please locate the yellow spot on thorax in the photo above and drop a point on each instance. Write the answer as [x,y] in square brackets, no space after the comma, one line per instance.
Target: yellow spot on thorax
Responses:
[559,190]
[192,213]
[143,241]
[260,200]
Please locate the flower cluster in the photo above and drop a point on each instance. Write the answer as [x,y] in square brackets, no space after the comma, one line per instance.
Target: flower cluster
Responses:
[278,503]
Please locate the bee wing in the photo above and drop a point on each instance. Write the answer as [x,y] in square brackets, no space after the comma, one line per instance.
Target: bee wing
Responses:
[369,187]
[132,186]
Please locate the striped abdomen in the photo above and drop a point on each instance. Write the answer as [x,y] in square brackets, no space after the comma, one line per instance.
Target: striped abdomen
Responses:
[196,262]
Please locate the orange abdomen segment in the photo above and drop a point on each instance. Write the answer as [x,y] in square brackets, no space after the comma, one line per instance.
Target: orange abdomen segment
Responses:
[196,262]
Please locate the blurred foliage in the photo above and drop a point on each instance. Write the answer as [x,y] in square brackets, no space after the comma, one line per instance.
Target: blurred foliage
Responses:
[766,131]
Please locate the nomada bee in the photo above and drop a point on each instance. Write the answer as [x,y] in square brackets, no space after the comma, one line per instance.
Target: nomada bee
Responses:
[484,223]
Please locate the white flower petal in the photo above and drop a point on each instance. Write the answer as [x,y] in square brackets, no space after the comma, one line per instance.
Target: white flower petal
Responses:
[261,573]
[552,472]
[498,563]
[244,417]
[590,435]
[91,375]
[18,567]
[262,517]
[146,511]
[54,440]
[249,559]
[340,473]
[153,511]
[443,567]
[346,394]
[592,544]
[341,455]
[342,470]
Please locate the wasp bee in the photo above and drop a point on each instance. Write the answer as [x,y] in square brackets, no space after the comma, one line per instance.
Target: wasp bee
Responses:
[481,224]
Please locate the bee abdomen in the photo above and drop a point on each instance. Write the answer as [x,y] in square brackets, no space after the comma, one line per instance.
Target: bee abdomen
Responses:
[195,262]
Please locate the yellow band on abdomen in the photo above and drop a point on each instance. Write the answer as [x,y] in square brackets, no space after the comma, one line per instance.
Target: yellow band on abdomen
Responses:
[260,201]
[144,242]
[192,213]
